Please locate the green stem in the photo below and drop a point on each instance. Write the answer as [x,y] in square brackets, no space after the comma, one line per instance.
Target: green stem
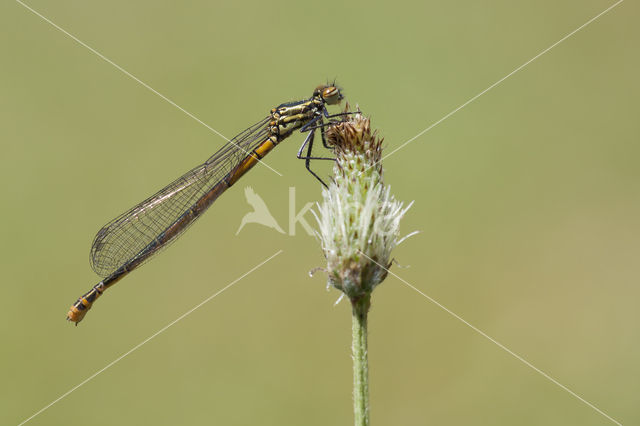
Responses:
[360,361]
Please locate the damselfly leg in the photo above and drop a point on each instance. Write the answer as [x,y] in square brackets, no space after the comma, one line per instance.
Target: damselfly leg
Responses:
[311,127]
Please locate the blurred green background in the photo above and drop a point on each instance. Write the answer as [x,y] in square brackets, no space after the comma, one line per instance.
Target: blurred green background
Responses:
[527,199]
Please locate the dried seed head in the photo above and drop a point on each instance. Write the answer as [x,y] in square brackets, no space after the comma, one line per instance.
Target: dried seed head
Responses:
[358,218]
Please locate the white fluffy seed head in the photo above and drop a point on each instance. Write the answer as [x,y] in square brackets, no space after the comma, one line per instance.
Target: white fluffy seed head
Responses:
[358,215]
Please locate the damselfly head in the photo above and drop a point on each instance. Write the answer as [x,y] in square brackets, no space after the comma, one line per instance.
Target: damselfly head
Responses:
[330,94]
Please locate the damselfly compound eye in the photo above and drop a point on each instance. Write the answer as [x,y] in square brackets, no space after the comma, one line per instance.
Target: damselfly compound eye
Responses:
[331,95]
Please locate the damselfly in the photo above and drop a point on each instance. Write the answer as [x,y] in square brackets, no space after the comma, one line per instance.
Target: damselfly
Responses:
[136,235]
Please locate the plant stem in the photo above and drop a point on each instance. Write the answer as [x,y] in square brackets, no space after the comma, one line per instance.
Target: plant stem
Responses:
[360,360]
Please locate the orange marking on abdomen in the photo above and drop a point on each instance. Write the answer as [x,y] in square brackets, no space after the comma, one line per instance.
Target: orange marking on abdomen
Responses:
[250,161]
